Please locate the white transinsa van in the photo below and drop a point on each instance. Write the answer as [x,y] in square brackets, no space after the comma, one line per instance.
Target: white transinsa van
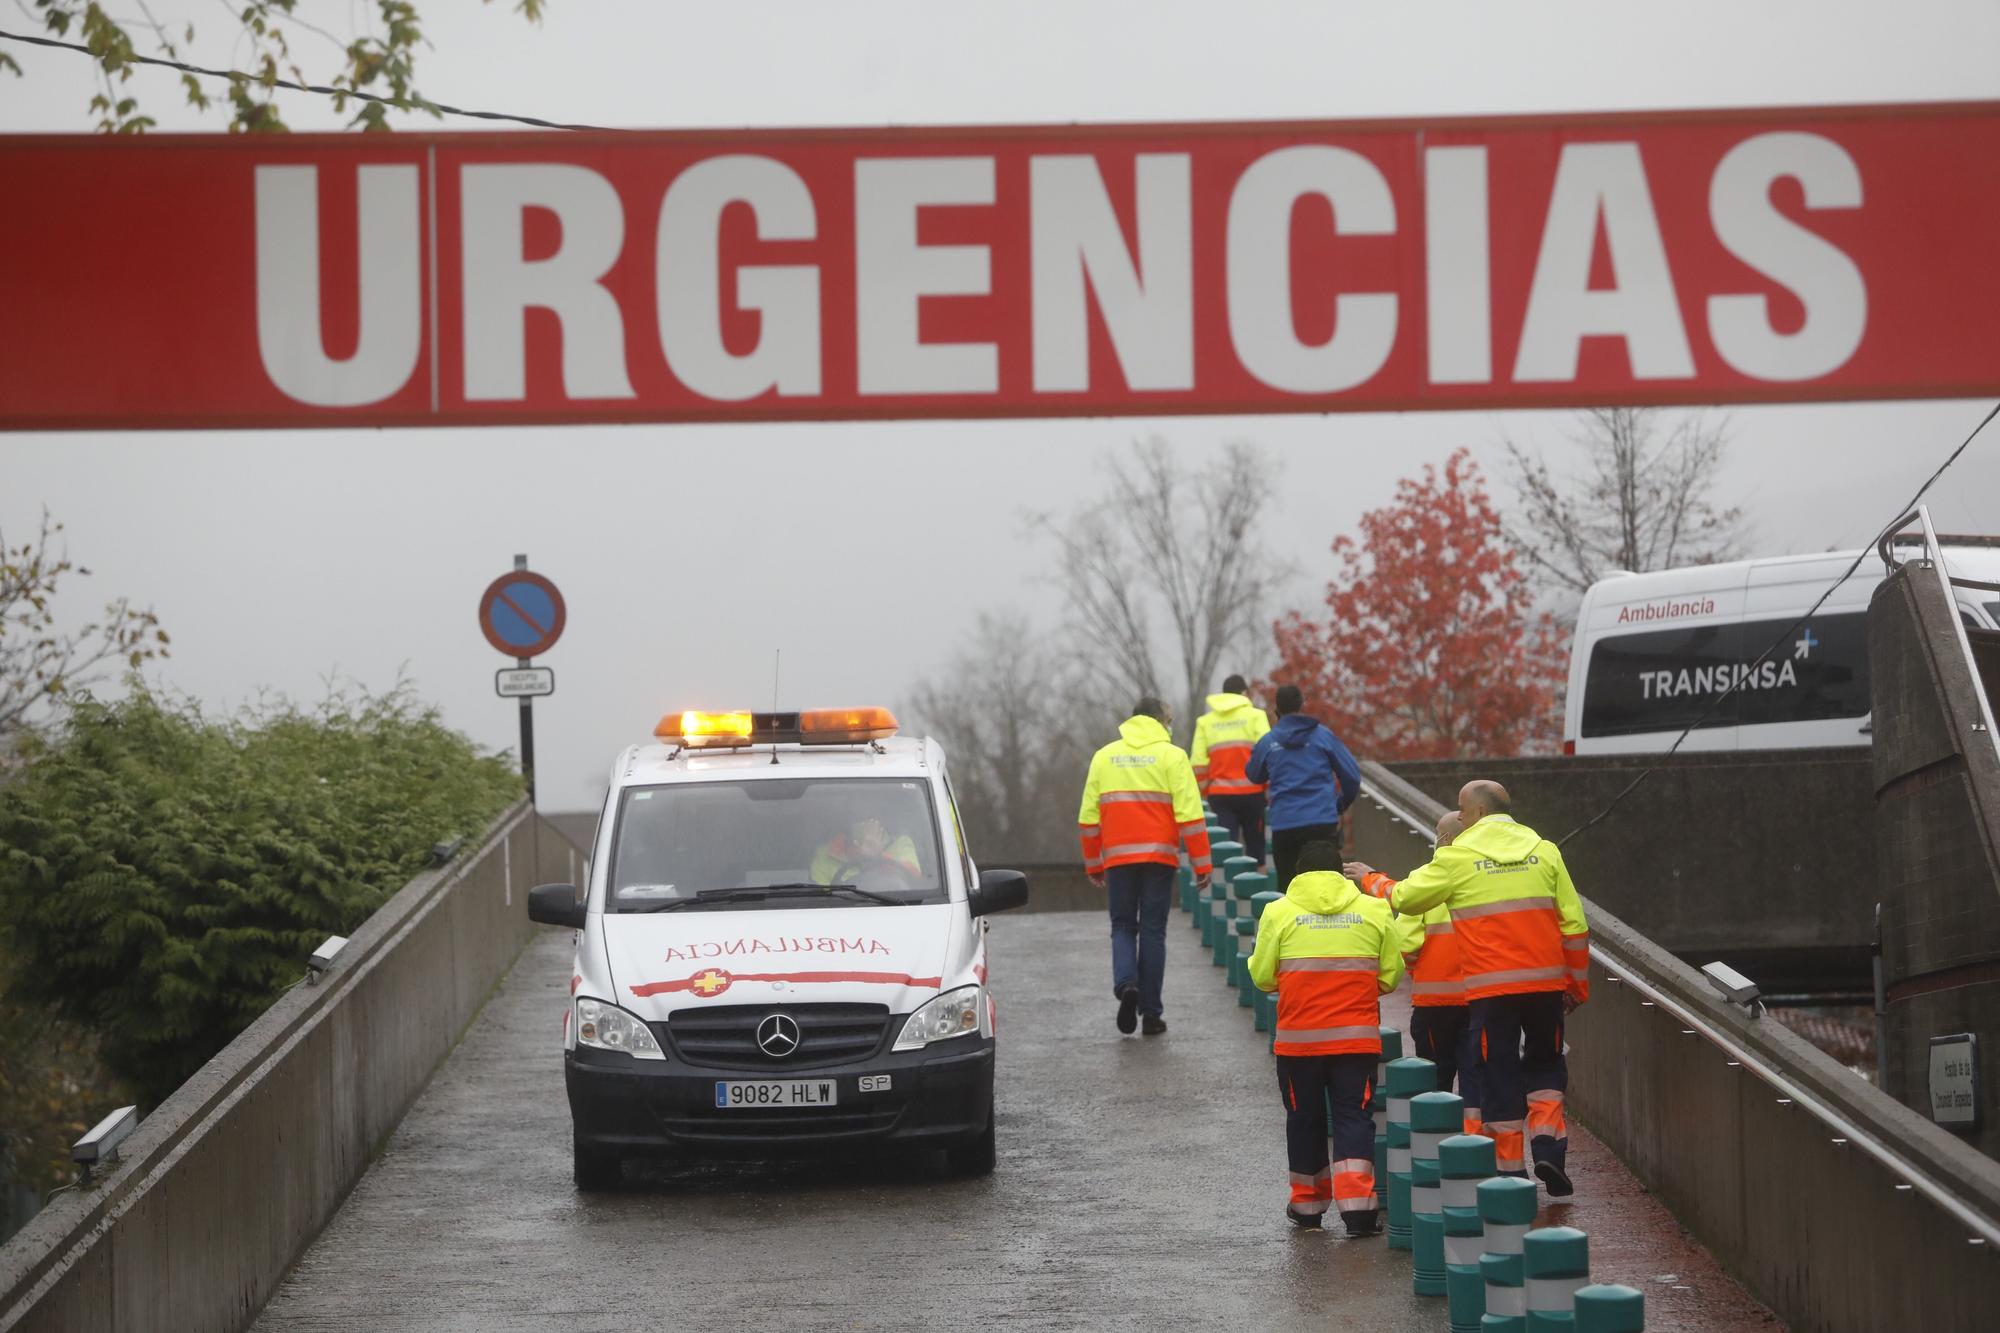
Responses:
[1653,651]
[779,948]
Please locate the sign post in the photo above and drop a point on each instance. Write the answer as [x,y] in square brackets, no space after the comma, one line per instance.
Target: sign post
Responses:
[523,615]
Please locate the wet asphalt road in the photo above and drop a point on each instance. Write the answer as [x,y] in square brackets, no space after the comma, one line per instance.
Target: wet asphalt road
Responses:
[1140,1185]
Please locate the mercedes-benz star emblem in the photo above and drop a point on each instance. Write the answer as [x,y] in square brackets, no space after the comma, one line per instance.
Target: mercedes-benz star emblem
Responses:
[778,1035]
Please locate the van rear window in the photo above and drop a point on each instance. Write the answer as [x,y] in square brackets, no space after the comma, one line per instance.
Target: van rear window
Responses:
[1665,680]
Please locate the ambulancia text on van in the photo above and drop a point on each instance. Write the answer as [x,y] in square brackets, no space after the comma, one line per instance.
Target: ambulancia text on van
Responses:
[779,947]
[1654,652]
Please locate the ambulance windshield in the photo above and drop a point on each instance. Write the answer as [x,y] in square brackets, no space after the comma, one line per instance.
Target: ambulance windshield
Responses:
[875,835]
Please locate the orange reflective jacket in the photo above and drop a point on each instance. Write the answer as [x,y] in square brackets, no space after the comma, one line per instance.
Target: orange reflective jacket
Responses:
[1330,952]
[1224,736]
[1140,803]
[1430,949]
[1519,922]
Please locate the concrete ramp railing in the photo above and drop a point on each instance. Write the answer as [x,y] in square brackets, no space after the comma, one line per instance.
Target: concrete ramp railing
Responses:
[1936,824]
[1835,1204]
[223,1186]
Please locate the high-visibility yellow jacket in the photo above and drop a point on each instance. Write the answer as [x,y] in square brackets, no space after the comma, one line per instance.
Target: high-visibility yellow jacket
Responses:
[838,861]
[1223,739]
[1140,803]
[1331,952]
[1430,949]
[1519,922]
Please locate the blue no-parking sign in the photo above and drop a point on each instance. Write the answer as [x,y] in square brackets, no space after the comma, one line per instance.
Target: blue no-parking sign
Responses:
[521,614]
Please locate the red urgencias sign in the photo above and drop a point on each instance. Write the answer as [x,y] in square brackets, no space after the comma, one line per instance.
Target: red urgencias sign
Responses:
[448,279]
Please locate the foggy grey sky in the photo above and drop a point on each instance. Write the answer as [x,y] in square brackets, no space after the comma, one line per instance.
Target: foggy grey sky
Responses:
[275,559]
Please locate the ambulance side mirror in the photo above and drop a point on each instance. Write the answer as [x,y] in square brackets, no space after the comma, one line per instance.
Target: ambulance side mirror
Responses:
[998,890]
[555,905]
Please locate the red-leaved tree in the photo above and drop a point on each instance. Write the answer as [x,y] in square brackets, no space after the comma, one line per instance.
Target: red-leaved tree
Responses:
[1429,646]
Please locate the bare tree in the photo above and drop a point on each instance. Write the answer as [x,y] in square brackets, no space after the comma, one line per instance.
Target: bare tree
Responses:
[1168,567]
[1645,498]
[1016,729]
[40,662]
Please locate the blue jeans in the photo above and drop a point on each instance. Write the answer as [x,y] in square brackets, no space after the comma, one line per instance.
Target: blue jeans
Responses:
[1140,896]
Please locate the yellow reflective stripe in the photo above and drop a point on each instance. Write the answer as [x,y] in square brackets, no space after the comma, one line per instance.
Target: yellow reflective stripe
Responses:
[1153,797]
[1518,974]
[1215,746]
[1142,849]
[1504,905]
[1328,1034]
[1440,928]
[1327,964]
[1437,988]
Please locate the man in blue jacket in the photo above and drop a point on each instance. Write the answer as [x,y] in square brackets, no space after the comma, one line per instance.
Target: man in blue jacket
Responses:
[1310,780]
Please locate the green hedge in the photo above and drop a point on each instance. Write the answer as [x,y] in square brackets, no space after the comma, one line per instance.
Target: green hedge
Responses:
[164,875]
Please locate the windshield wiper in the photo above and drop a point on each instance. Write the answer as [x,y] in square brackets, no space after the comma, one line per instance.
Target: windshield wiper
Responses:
[801,888]
[758,892]
[749,892]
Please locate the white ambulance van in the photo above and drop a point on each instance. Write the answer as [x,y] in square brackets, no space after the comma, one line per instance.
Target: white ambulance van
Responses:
[779,947]
[1654,651]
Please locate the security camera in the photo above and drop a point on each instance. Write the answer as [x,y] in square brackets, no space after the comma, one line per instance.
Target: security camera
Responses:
[101,1144]
[322,957]
[1733,984]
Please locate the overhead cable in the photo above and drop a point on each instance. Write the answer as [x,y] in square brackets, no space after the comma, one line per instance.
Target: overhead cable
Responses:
[324,90]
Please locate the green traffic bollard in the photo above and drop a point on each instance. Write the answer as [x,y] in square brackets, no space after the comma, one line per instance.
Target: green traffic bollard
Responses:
[1506,1209]
[1463,1161]
[1556,1263]
[1218,857]
[1378,1103]
[1184,886]
[1225,939]
[1237,866]
[1609,1308]
[1434,1117]
[1408,1078]
[1239,966]
[1263,1003]
[1243,890]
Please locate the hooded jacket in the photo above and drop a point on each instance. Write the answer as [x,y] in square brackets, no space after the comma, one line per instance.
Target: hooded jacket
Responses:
[1223,739]
[1309,776]
[1331,952]
[1516,914]
[1140,803]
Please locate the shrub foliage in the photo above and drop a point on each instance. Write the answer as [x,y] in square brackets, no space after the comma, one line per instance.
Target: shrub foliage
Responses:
[163,875]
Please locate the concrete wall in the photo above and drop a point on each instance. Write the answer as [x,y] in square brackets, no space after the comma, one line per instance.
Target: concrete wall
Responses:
[229,1179]
[1712,1109]
[1937,831]
[1764,859]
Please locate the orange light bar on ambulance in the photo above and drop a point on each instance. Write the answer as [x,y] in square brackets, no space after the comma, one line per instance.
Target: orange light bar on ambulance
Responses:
[814,726]
[698,730]
[845,726]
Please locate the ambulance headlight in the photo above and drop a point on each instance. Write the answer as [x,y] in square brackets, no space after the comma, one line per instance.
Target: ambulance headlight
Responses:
[609,1028]
[956,1013]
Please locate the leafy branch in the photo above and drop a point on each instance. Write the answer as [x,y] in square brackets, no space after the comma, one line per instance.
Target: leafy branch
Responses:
[40,662]
[377,72]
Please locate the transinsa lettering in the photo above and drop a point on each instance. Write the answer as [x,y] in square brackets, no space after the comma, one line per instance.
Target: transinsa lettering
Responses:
[1716,679]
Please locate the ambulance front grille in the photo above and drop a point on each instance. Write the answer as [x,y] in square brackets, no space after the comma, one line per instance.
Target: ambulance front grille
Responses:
[725,1036]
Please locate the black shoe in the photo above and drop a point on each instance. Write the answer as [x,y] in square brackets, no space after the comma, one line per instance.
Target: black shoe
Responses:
[1303,1221]
[1555,1180]
[1153,1025]
[1128,1007]
[1365,1223]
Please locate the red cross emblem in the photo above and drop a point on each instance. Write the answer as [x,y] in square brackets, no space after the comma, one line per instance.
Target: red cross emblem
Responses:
[709,982]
